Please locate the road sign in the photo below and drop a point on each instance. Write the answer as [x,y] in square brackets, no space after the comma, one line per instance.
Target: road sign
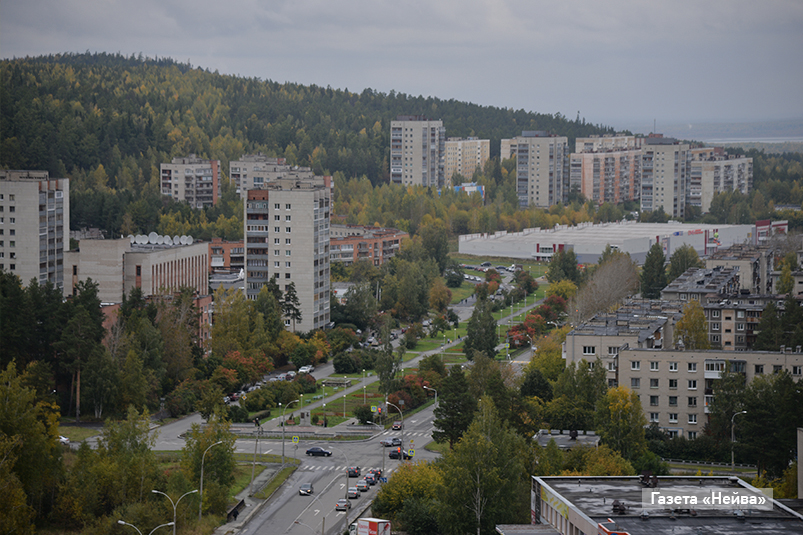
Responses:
[373,408]
[411,452]
[507,346]
[295,440]
[383,480]
[412,442]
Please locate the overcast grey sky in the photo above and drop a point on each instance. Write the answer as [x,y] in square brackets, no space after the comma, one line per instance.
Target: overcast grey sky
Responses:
[619,62]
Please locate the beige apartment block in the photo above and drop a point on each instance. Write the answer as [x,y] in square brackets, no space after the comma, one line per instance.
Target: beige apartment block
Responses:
[34,226]
[464,156]
[712,171]
[287,239]
[353,243]
[542,167]
[119,266]
[607,143]
[253,171]
[754,262]
[676,387]
[417,151]
[664,174]
[611,177]
[192,179]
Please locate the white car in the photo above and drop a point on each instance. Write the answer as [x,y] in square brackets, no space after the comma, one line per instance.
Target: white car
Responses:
[64,440]
[306,369]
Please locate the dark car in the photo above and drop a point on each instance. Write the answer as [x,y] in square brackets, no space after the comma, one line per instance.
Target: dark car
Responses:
[353,492]
[370,479]
[354,471]
[305,489]
[363,485]
[395,442]
[395,454]
[342,505]
[316,451]
[397,425]
[376,472]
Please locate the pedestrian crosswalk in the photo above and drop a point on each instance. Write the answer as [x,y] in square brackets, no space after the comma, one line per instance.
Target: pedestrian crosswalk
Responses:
[342,468]
[406,434]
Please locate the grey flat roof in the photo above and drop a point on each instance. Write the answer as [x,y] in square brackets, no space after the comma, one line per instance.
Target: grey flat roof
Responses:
[564,440]
[594,496]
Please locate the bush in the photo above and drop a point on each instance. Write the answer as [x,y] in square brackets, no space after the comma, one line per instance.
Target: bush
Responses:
[344,363]
[363,414]
[238,414]
[260,399]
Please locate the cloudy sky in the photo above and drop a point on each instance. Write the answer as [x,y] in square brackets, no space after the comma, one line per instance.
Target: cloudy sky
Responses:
[618,62]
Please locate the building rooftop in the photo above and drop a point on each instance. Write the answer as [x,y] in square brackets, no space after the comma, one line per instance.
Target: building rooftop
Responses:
[564,439]
[698,280]
[594,497]
[642,317]
[741,251]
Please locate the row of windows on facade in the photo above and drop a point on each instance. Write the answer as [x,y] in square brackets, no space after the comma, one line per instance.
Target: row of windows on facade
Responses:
[673,419]
[635,382]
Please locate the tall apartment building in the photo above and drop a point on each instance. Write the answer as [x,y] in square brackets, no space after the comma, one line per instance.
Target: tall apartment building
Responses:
[191,179]
[542,167]
[712,170]
[417,151]
[607,168]
[253,171]
[664,175]
[34,225]
[464,156]
[287,239]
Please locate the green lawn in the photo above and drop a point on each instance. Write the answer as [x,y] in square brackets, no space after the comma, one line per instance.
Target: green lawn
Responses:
[466,290]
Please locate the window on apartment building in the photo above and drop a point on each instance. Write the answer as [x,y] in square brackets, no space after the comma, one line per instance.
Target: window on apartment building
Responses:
[692,401]
[759,369]
[683,297]
[287,252]
[673,366]
[276,252]
[673,418]
[692,384]
[287,206]
[797,370]
[276,263]
[12,243]
[613,350]
[611,366]
[287,241]
[715,326]
[777,368]
[12,220]
[139,271]
[740,326]
[288,230]
[611,382]
[287,264]
[589,350]
[277,229]
[276,241]
[672,433]
[692,435]
[739,314]
[692,418]
[654,416]
[673,401]
[635,364]
[277,206]
[654,401]
[653,366]
[286,275]
[673,384]
[653,383]
[739,339]
[635,382]
[277,218]
[692,366]
[715,313]
[286,323]
[715,338]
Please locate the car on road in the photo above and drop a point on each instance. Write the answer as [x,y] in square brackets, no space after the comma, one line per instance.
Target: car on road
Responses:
[370,479]
[306,369]
[397,425]
[319,452]
[354,471]
[342,505]
[391,442]
[376,472]
[64,440]
[395,454]
[305,489]
[363,486]
[353,492]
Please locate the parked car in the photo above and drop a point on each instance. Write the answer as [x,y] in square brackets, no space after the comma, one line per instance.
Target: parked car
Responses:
[342,505]
[370,479]
[394,454]
[397,425]
[305,489]
[354,471]
[485,264]
[64,440]
[363,485]
[319,452]
[353,492]
[306,369]
[289,376]
[390,442]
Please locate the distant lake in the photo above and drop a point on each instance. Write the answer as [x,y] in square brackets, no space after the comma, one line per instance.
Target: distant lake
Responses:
[725,141]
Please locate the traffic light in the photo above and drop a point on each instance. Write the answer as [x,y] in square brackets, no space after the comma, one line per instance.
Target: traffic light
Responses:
[379,410]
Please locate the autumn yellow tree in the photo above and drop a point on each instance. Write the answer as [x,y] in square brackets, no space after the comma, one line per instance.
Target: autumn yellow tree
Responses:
[621,422]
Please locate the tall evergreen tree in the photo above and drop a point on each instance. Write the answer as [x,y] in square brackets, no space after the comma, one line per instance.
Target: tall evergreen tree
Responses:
[291,306]
[481,331]
[455,410]
[682,259]
[653,274]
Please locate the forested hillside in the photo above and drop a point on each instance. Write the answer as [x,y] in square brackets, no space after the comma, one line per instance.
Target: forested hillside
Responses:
[107,122]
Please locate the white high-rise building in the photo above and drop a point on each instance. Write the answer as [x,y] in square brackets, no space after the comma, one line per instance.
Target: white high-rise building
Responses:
[664,175]
[191,179]
[542,167]
[464,156]
[287,239]
[607,168]
[712,170]
[417,151]
[34,225]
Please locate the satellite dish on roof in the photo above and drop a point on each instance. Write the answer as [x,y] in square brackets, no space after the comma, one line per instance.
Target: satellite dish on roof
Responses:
[189,240]
[132,239]
[152,237]
[142,239]
[168,240]
[183,240]
[176,240]
[160,240]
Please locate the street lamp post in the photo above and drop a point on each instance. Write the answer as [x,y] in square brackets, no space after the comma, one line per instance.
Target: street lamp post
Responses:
[436,393]
[344,405]
[733,439]
[174,504]
[283,426]
[364,396]
[201,493]
[140,533]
